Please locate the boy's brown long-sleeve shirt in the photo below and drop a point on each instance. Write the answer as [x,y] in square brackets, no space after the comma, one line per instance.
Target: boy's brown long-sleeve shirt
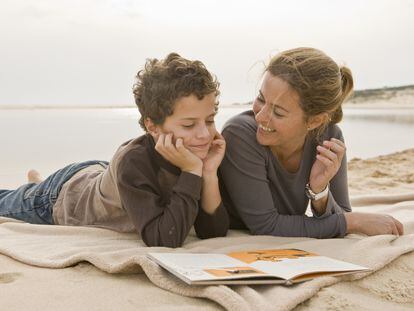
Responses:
[139,191]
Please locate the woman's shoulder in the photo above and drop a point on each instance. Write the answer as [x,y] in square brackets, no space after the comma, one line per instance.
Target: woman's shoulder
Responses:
[333,131]
[243,121]
[240,135]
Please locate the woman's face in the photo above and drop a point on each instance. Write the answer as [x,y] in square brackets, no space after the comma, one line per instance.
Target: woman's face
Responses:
[193,121]
[280,119]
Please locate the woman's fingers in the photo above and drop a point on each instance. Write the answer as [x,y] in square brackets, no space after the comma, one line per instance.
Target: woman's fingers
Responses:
[335,145]
[327,153]
[338,142]
[399,226]
[326,161]
[331,152]
[394,228]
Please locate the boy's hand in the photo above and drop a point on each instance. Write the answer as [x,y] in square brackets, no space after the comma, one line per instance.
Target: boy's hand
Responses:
[328,161]
[215,155]
[178,155]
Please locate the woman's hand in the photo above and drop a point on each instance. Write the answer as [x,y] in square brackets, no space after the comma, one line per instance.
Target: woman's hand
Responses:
[328,161]
[178,155]
[215,155]
[373,224]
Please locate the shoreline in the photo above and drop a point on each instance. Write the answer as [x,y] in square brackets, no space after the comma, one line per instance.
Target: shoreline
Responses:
[383,174]
[387,97]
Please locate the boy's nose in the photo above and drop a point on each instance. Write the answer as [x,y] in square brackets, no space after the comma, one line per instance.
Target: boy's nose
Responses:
[203,132]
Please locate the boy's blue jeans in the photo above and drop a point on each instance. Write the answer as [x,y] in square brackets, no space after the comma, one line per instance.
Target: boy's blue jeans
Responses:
[33,203]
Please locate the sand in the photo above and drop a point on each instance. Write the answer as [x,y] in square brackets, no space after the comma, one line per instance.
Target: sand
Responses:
[393,173]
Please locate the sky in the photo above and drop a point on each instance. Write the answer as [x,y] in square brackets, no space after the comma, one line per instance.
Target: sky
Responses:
[87,52]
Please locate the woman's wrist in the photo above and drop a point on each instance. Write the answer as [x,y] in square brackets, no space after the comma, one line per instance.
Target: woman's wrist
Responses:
[320,205]
[318,188]
[350,222]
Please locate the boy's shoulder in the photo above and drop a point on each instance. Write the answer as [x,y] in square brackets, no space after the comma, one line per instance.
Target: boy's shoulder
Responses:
[134,154]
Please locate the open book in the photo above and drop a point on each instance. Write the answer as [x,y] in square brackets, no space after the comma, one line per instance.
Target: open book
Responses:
[271,266]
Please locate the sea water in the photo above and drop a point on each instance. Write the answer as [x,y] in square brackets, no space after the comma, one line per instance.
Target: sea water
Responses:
[48,139]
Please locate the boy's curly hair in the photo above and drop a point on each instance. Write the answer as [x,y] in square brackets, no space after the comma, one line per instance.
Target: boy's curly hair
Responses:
[162,82]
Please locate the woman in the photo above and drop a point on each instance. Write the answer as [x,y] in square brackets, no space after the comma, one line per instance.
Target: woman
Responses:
[288,151]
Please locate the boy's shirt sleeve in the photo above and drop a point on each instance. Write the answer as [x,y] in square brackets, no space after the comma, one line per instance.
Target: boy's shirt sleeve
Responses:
[159,222]
[212,225]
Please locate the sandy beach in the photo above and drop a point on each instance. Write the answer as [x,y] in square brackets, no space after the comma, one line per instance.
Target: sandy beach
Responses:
[393,173]
[85,286]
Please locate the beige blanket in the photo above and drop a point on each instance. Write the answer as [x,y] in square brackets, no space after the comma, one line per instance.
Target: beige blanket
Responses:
[126,288]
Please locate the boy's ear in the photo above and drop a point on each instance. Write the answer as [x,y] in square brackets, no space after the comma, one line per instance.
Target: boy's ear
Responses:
[316,121]
[151,127]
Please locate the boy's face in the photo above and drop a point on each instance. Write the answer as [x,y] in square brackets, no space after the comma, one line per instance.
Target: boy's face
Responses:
[193,121]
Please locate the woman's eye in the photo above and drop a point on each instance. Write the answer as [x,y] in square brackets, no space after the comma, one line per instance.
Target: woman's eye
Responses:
[188,126]
[277,114]
[260,99]
[210,122]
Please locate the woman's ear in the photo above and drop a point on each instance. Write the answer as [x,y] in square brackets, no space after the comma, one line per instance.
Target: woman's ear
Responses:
[316,121]
[152,129]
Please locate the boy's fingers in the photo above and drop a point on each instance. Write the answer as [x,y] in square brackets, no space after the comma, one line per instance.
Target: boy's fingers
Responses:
[219,142]
[179,144]
[218,136]
[160,142]
[168,141]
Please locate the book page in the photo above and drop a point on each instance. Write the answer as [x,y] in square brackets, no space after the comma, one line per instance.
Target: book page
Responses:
[278,263]
[288,263]
[205,266]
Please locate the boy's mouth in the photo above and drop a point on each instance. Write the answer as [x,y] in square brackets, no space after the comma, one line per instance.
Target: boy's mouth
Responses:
[201,146]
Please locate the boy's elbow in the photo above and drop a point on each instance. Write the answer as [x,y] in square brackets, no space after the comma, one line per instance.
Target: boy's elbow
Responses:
[160,242]
[212,234]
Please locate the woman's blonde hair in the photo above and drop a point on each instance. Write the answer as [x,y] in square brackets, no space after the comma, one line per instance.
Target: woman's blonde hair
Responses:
[321,84]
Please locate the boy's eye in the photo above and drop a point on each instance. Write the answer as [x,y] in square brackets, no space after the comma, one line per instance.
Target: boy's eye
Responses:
[210,122]
[188,125]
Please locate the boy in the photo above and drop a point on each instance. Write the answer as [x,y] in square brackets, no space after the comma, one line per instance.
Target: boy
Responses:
[159,184]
